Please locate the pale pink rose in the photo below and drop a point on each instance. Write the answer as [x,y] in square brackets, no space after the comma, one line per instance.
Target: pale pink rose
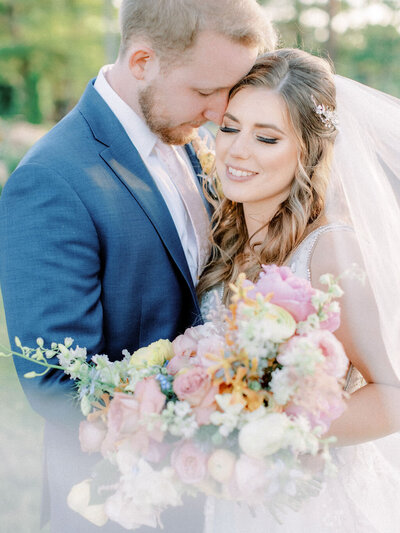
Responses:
[149,395]
[122,420]
[210,345]
[189,462]
[206,407]
[336,361]
[92,435]
[193,385]
[185,345]
[177,363]
[289,291]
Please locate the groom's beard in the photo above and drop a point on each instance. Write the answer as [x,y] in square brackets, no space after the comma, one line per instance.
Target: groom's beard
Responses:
[153,114]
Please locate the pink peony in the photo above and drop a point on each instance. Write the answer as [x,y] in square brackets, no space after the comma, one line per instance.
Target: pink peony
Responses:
[332,323]
[336,361]
[149,396]
[290,292]
[92,435]
[190,463]
[319,398]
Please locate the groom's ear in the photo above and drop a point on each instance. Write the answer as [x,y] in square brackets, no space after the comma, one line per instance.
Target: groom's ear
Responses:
[143,63]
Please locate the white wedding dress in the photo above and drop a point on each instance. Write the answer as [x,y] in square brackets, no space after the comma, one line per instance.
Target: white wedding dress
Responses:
[364,497]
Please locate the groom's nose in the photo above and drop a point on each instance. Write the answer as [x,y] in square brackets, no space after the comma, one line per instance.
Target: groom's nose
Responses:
[216,107]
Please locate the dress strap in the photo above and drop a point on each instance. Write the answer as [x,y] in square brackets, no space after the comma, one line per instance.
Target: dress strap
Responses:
[300,259]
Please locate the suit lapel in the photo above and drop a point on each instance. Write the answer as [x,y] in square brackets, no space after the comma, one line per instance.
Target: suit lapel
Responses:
[199,172]
[124,160]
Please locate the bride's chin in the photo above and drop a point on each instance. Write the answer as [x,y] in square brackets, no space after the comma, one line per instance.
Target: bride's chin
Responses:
[237,198]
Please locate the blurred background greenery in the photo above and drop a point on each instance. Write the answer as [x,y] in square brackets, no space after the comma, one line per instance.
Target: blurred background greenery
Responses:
[49,49]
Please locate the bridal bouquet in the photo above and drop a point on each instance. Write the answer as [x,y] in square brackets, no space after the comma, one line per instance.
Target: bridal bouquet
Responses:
[236,408]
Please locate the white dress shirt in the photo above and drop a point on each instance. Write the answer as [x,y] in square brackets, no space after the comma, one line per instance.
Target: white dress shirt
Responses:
[144,141]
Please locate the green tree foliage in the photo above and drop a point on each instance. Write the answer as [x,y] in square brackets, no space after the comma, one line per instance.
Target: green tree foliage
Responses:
[49,49]
[362,37]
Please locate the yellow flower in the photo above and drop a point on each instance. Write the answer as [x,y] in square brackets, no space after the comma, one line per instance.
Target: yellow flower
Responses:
[204,154]
[206,159]
[154,354]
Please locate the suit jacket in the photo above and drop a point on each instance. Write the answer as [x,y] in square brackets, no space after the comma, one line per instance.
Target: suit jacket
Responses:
[88,248]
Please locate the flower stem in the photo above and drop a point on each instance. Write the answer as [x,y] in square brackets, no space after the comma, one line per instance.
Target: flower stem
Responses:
[47,365]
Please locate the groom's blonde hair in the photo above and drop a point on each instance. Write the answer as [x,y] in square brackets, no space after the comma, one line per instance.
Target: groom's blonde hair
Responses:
[172,26]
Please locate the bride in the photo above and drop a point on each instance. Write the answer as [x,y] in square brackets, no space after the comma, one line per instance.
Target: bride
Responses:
[304,190]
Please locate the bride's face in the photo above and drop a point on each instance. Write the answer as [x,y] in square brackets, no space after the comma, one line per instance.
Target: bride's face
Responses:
[256,150]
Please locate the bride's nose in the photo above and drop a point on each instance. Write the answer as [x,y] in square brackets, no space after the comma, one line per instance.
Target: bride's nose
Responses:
[240,146]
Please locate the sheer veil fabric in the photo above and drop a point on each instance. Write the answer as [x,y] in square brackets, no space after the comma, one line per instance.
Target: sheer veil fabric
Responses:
[365,190]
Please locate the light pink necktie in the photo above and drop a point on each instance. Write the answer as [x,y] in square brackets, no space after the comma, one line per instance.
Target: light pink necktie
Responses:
[183,180]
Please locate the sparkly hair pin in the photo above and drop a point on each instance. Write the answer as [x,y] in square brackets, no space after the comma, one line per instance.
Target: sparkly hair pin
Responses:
[327,116]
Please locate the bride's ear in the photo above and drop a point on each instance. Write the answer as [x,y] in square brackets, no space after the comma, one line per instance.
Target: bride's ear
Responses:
[143,63]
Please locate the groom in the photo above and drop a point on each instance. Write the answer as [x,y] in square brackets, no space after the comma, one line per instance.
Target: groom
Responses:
[101,225]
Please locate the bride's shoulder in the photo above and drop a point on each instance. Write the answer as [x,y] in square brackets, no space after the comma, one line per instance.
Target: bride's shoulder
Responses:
[318,245]
[334,249]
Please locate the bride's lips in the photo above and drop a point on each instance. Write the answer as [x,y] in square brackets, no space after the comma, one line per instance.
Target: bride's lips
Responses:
[239,174]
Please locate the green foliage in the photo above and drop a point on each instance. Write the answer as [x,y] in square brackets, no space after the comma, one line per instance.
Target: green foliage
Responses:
[360,47]
[49,49]
[375,59]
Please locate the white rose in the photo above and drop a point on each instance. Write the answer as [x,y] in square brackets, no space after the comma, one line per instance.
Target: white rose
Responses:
[95,514]
[221,465]
[79,496]
[264,436]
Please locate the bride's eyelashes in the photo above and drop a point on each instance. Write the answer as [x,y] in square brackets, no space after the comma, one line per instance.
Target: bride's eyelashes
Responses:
[226,129]
[268,140]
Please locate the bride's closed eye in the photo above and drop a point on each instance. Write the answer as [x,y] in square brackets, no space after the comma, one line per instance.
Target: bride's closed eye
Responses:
[228,129]
[268,140]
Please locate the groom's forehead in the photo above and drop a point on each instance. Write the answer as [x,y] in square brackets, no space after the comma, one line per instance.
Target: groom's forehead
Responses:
[216,65]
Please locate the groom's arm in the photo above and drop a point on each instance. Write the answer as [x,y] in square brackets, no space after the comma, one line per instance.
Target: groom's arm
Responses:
[50,278]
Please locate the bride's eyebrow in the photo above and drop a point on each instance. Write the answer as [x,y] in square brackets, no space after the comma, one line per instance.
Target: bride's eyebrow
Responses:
[258,125]
[228,115]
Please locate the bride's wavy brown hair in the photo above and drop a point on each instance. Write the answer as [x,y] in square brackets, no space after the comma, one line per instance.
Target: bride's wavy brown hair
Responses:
[302,80]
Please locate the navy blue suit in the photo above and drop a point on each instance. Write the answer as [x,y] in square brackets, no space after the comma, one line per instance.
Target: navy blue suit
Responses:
[88,248]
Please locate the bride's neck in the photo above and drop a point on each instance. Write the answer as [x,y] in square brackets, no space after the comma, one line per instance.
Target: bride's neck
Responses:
[257,220]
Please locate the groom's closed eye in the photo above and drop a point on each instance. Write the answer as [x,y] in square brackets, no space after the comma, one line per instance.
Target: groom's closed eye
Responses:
[205,93]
